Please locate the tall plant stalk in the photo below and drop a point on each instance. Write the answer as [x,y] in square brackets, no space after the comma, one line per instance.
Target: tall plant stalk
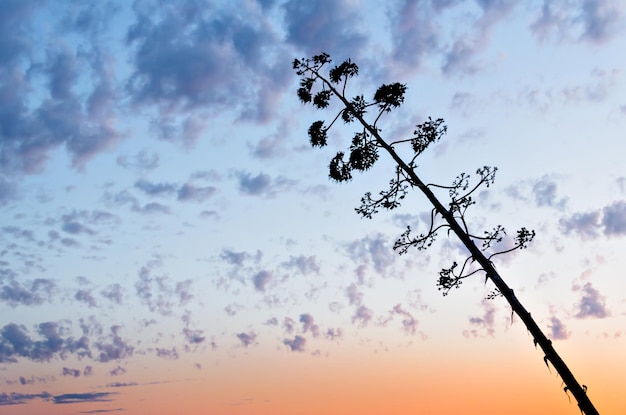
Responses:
[319,89]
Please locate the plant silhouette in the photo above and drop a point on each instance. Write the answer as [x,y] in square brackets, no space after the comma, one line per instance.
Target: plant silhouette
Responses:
[319,89]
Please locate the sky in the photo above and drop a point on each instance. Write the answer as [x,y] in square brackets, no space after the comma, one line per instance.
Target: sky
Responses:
[171,243]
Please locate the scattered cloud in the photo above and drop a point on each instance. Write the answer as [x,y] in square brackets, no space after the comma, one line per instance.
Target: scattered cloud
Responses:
[261,279]
[304,264]
[247,338]
[485,322]
[36,292]
[254,186]
[609,220]
[362,316]
[308,325]
[545,193]
[409,322]
[558,331]
[15,342]
[297,344]
[591,304]
[71,372]
[373,250]
[115,347]
[595,21]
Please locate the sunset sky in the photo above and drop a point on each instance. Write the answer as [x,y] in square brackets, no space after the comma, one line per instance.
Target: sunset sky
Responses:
[171,243]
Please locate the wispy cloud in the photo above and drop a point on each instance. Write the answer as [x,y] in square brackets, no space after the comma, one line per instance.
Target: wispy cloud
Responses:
[16,398]
[484,323]
[589,20]
[70,398]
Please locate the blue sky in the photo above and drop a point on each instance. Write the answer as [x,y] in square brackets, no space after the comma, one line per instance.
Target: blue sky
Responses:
[163,213]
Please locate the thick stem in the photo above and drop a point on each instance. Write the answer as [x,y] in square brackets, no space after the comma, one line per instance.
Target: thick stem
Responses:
[584,403]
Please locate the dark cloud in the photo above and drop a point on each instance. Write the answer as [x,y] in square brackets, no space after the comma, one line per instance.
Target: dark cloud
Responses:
[24,381]
[192,56]
[325,26]
[247,338]
[558,331]
[71,372]
[34,293]
[16,398]
[35,122]
[591,304]
[15,342]
[114,347]
[297,344]
[69,398]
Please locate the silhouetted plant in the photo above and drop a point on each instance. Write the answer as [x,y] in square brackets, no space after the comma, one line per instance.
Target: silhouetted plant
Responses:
[320,89]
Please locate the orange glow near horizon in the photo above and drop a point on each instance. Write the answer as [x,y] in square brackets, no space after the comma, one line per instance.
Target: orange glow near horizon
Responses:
[404,382]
